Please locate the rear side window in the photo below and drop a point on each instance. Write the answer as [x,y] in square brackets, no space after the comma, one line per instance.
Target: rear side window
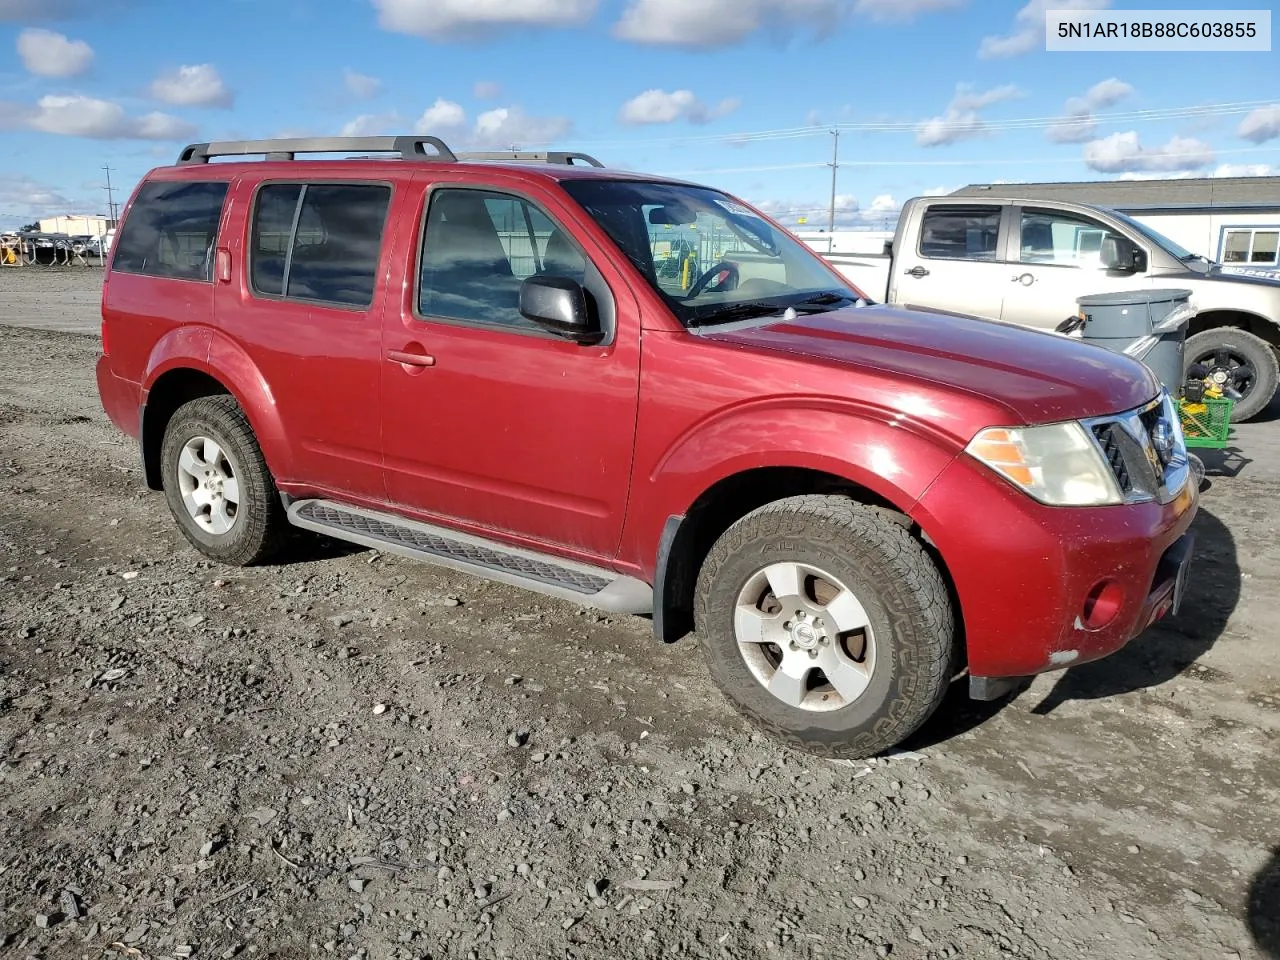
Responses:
[318,241]
[171,230]
[960,233]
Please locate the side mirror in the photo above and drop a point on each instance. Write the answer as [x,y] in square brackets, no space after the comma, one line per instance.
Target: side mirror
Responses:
[1122,254]
[560,305]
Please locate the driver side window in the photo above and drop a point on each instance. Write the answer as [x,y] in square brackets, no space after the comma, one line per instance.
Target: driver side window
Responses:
[1061,239]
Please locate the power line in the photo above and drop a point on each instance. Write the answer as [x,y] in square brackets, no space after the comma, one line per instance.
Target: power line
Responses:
[911,126]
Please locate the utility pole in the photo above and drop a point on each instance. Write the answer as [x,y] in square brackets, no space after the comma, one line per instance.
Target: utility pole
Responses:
[835,165]
[111,207]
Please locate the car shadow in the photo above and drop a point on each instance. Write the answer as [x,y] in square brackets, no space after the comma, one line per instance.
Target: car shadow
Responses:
[1163,652]
[306,546]
[1263,909]
[1225,462]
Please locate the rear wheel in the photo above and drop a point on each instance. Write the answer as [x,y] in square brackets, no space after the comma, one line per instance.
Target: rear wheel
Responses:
[217,484]
[1243,365]
[826,623]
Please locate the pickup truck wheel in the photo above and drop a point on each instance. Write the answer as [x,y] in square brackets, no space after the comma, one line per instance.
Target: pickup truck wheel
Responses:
[826,623]
[217,484]
[1239,361]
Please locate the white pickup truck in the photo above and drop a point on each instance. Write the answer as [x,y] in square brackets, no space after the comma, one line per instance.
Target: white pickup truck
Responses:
[1026,262]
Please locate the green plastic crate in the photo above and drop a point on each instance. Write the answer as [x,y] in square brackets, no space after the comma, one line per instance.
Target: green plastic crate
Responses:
[1208,423]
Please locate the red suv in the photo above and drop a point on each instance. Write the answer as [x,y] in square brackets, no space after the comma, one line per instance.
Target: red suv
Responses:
[644,396]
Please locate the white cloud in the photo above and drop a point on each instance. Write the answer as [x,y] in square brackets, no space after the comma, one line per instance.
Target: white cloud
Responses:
[487,90]
[443,116]
[1246,170]
[1261,125]
[718,23]
[49,54]
[1124,153]
[197,85]
[1077,124]
[361,85]
[937,191]
[462,18]
[507,126]
[371,125]
[901,10]
[848,213]
[79,116]
[961,121]
[23,200]
[659,106]
[1028,28]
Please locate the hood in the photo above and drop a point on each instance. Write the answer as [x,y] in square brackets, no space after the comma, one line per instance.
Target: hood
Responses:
[1039,377]
[1266,278]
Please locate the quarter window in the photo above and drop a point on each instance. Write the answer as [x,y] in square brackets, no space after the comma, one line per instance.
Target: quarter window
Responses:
[949,232]
[1061,239]
[320,241]
[477,249]
[171,230]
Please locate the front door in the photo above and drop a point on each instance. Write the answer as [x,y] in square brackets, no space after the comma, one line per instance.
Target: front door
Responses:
[955,266]
[489,420]
[1058,260]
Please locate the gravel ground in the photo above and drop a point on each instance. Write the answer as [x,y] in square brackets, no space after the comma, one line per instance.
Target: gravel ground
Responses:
[352,755]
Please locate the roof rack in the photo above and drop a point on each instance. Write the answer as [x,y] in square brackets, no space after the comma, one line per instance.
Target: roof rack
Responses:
[409,148]
[543,156]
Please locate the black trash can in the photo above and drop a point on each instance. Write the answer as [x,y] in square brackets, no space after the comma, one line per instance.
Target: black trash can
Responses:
[1148,325]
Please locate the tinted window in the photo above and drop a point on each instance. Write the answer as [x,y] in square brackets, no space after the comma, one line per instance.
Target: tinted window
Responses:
[272,234]
[1059,238]
[478,247]
[171,230]
[960,233]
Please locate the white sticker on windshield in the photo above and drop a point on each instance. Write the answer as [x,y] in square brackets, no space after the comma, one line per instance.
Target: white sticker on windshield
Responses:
[737,209]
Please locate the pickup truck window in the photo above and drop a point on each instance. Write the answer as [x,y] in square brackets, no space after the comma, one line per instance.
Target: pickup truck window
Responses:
[478,246]
[709,257]
[1062,239]
[171,229]
[953,232]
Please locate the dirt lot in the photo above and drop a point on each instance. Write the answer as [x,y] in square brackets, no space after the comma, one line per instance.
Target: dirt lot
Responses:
[352,755]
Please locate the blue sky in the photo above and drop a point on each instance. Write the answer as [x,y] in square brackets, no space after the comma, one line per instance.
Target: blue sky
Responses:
[741,94]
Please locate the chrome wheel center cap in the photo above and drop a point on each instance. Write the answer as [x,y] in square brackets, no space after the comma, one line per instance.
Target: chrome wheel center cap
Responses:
[805,636]
[1220,377]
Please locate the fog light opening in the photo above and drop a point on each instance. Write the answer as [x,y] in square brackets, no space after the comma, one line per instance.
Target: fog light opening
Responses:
[1102,605]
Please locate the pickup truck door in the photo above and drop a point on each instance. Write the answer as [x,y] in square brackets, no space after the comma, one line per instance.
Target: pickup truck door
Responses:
[954,263]
[1054,258]
[490,421]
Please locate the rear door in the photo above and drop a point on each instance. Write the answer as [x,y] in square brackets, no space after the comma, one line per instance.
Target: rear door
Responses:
[1056,257]
[955,263]
[306,308]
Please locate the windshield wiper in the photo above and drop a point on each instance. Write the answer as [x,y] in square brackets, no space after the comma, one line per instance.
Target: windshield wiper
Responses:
[828,299]
[737,311]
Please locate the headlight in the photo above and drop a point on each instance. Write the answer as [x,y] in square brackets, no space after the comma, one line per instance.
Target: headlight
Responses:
[1058,464]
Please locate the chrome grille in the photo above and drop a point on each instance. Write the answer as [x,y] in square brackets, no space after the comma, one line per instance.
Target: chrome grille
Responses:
[1145,450]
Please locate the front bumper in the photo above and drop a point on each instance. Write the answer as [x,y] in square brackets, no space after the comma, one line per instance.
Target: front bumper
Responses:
[1024,572]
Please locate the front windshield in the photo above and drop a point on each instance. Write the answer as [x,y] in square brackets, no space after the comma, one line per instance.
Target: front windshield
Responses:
[709,257]
[1159,239]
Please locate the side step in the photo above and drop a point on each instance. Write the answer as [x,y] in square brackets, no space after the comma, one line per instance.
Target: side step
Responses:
[577,582]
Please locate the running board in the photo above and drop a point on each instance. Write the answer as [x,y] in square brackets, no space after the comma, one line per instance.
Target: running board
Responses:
[576,582]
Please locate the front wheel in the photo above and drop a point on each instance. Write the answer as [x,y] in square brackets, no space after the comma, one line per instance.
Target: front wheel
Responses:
[825,622]
[1243,365]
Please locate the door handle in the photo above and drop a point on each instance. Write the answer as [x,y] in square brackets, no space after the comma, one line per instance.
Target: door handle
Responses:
[1026,279]
[411,359]
[917,272]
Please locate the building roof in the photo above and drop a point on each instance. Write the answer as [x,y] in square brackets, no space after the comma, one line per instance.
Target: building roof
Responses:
[1217,192]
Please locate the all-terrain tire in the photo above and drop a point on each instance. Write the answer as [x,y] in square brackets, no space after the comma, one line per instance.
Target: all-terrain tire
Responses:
[1238,344]
[260,524]
[901,591]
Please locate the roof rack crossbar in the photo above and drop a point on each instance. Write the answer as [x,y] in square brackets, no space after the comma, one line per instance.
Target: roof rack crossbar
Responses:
[544,156]
[409,148]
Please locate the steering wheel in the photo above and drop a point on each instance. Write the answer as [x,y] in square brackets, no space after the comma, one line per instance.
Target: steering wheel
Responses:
[725,275]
